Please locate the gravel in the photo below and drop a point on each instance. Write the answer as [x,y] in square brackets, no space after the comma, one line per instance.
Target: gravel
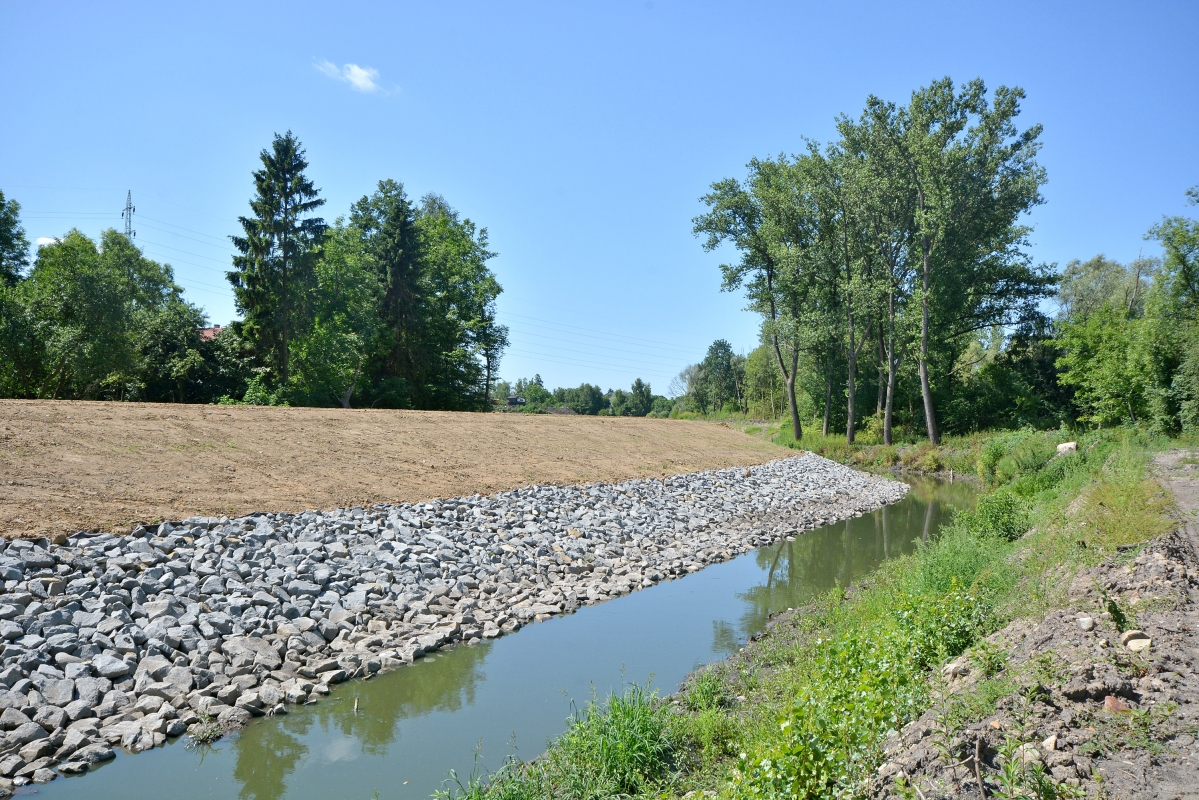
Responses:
[112,641]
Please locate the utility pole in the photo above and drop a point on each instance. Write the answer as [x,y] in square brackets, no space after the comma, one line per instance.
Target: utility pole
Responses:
[130,233]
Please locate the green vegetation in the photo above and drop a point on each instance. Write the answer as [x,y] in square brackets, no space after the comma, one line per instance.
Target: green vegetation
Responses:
[897,297]
[391,307]
[639,401]
[804,711]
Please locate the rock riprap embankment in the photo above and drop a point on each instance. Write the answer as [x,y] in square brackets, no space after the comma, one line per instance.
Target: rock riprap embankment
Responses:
[124,641]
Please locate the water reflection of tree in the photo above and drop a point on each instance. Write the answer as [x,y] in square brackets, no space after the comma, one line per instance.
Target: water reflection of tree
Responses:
[266,753]
[841,554]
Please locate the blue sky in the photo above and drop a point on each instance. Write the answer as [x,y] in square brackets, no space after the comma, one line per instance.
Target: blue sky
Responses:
[581,135]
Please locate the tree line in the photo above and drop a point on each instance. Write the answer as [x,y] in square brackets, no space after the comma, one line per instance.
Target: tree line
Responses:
[391,305]
[588,399]
[892,264]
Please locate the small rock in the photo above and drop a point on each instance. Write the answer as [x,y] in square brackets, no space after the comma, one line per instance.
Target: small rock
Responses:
[1139,645]
[1111,703]
[1050,744]
[1086,623]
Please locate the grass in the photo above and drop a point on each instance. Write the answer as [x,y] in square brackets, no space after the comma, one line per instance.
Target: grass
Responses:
[804,711]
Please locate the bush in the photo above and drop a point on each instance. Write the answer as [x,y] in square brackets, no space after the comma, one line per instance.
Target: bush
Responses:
[1000,514]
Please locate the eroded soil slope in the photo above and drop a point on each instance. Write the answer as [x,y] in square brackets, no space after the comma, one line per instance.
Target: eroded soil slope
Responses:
[1105,707]
[67,466]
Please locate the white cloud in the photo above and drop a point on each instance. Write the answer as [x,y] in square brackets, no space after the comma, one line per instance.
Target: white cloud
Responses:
[361,79]
[42,241]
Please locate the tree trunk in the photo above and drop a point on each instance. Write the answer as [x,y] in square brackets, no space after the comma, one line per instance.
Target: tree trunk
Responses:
[930,416]
[828,397]
[892,368]
[789,381]
[882,374]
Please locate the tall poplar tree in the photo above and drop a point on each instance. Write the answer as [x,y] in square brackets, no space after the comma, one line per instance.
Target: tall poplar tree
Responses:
[274,272]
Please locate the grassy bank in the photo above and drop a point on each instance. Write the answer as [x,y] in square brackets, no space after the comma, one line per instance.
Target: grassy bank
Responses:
[803,712]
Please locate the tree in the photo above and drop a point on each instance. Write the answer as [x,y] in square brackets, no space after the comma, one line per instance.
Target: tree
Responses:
[14,247]
[586,399]
[738,215]
[1104,358]
[641,399]
[93,322]
[885,202]
[1086,285]
[346,333]
[273,275]
[974,174]
[463,340]
[388,221]
[717,368]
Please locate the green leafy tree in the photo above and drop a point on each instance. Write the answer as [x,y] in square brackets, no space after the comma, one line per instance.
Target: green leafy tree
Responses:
[585,399]
[1105,361]
[14,247]
[347,331]
[974,175]
[86,319]
[272,276]
[722,376]
[740,214]
[464,340]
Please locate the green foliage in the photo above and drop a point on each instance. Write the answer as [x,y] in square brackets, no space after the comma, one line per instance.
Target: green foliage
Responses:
[14,247]
[99,322]
[272,274]
[1000,514]
[616,749]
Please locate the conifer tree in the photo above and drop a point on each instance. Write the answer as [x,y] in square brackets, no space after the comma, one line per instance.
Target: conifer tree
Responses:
[274,271]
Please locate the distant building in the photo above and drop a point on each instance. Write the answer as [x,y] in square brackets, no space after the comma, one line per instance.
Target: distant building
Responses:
[516,401]
[208,334]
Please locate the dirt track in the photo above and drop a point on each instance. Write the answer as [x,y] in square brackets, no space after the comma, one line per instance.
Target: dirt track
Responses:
[68,466]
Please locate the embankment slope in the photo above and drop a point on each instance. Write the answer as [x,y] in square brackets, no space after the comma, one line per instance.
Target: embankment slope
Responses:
[68,466]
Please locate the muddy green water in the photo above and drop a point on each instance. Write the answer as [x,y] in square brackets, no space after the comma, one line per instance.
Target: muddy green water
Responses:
[471,706]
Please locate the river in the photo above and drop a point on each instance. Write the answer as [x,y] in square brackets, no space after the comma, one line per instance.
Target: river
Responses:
[469,707]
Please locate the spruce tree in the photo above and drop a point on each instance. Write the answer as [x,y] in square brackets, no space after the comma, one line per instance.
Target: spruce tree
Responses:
[274,272]
[388,219]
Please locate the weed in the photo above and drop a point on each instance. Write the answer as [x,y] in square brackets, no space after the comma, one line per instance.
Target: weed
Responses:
[205,732]
[991,659]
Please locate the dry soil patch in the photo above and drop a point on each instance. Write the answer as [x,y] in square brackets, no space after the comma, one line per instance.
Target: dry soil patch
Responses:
[67,466]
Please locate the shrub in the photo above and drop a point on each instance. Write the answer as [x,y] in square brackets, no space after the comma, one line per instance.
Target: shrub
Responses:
[1000,514]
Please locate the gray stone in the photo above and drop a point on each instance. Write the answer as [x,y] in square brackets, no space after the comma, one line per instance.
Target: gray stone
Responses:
[51,718]
[11,719]
[155,666]
[259,651]
[26,733]
[110,667]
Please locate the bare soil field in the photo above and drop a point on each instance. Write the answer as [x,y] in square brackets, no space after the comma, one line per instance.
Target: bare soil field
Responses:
[67,466]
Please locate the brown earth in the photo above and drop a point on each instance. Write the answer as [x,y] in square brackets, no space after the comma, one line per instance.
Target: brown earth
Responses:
[68,466]
[1100,717]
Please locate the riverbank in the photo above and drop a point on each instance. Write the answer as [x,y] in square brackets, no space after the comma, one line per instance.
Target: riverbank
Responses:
[206,623]
[67,466]
[849,676]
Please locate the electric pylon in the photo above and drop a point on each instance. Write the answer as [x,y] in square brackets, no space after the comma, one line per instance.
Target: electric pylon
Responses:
[128,215]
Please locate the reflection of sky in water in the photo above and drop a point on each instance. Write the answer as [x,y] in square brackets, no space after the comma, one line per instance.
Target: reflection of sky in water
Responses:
[344,748]
[418,723]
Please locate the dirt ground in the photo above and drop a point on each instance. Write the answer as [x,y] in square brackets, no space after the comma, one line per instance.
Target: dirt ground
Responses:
[68,466]
[1101,717]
